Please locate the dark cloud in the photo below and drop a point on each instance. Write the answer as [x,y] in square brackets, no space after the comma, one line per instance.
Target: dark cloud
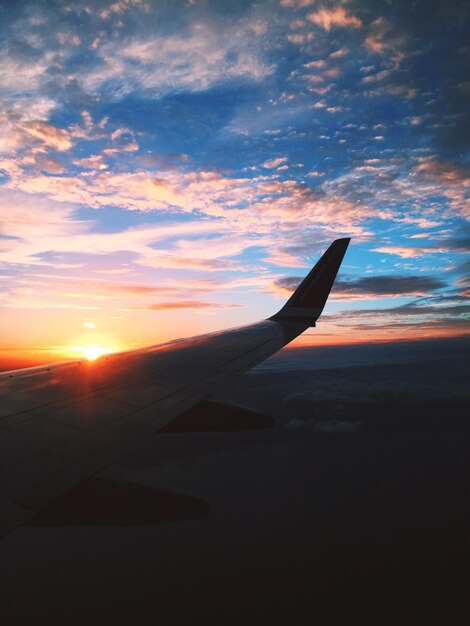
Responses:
[450,297]
[390,285]
[376,285]
[410,309]
[457,326]
[289,283]
[459,244]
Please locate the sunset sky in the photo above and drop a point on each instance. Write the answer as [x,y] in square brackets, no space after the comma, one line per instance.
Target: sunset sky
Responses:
[172,168]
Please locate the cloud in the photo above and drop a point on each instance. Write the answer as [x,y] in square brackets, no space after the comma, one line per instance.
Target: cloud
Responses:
[413,310]
[121,6]
[273,163]
[262,204]
[300,38]
[209,254]
[49,287]
[21,79]
[266,207]
[377,31]
[374,286]
[34,226]
[389,286]
[204,56]
[405,252]
[451,179]
[49,135]
[32,221]
[93,286]
[93,162]
[339,54]
[423,190]
[191,304]
[373,78]
[117,120]
[337,389]
[337,17]
[436,316]
[430,167]
[457,245]
[381,40]
[48,164]
[19,134]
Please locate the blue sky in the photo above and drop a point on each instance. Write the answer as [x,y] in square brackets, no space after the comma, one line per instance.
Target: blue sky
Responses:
[170,168]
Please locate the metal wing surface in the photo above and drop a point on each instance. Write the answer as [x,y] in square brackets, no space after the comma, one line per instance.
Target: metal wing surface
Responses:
[62,423]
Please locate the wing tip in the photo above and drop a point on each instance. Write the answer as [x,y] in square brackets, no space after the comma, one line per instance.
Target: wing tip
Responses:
[308,300]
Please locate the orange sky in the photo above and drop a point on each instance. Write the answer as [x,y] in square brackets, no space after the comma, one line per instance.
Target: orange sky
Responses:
[15,358]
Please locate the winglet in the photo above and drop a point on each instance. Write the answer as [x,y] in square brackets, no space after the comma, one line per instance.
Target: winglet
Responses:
[307,302]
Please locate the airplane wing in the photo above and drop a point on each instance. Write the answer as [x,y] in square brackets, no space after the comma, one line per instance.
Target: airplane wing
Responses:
[63,423]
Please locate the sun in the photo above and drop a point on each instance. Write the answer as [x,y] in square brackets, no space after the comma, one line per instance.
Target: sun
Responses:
[93,351]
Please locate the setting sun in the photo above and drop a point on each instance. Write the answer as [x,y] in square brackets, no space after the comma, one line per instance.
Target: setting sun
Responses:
[92,352]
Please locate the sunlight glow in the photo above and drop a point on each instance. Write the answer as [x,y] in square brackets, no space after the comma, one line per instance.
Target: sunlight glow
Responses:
[92,352]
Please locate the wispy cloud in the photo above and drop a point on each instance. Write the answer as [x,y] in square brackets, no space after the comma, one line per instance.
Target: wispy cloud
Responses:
[194,61]
[191,304]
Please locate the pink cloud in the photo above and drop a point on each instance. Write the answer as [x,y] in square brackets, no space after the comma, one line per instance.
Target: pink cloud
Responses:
[337,17]
[48,164]
[121,6]
[93,162]
[373,78]
[380,41]
[339,54]
[273,163]
[315,64]
[191,304]
[300,38]
[49,135]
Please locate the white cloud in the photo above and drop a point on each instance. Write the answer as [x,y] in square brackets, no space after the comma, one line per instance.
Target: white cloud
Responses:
[205,56]
[407,252]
